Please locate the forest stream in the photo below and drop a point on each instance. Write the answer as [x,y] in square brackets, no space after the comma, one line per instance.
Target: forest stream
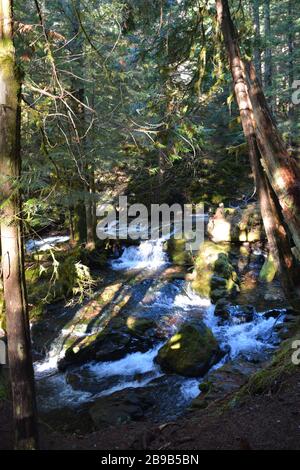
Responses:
[154,395]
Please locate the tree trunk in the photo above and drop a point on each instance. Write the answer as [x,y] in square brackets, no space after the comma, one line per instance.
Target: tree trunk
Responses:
[17,324]
[78,125]
[257,45]
[273,221]
[90,215]
[268,50]
[291,46]
[282,169]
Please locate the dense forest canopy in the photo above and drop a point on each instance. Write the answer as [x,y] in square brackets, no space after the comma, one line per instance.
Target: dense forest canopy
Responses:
[164,101]
[151,80]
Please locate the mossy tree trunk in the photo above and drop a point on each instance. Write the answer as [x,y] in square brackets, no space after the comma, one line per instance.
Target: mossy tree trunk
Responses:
[81,216]
[281,167]
[90,213]
[275,226]
[17,324]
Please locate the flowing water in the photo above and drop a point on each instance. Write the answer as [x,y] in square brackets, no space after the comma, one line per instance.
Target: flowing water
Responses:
[45,244]
[169,303]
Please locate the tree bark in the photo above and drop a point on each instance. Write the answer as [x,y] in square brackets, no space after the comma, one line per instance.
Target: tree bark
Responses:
[17,324]
[282,169]
[291,47]
[77,125]
[257,38]
[90,214]
[268,50]
[275,227]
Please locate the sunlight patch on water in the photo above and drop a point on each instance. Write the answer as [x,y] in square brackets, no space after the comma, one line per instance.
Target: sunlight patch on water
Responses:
[189,299]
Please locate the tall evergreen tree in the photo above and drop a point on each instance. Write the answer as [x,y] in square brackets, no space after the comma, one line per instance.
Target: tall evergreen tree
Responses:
[18,334]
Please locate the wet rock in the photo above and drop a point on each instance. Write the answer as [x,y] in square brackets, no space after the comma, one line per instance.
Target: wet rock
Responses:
[120,408]
[257,357]
[274,313]
[222,309]
[191,352]
[221,382]
[140,326]
[273,296]
[174,272]
[69,419]
[237,313]
[243,313]
[122,336]
[217,294]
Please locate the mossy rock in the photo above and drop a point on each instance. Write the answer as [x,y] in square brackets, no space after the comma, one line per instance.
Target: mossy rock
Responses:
[140,325]
[223,381]
[214,275]
[223,309]
[120,408]
[178,253]
[191,352]
[122,335]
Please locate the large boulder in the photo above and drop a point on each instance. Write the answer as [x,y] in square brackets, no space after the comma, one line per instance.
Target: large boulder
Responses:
[236,225]
[237,313]
[214,275]
[191,352]
[120,408]
[122,335]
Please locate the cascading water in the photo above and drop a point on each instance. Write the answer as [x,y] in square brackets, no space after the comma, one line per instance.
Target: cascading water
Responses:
[45,244]
[169,304]
[149,254]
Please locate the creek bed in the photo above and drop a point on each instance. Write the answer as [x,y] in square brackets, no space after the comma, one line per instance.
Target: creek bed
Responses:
[169,303]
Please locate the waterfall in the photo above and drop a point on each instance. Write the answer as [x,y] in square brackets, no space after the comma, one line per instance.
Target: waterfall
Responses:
[149,254]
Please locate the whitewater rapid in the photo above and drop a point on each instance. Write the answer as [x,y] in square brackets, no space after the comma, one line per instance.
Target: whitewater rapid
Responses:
[168,300]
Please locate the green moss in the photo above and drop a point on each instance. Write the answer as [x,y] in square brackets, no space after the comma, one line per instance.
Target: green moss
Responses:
[32,274]
[268,271]
[178,253]
[139,325]
[215,277]
[190,352]
[272,377]
[204,387]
